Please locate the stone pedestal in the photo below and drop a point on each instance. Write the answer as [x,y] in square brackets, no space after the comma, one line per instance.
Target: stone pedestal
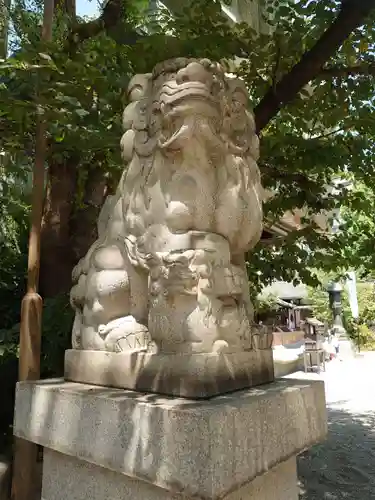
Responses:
[195,376]
[103,443]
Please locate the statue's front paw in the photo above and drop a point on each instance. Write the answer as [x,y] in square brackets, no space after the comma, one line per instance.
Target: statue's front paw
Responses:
[125,334]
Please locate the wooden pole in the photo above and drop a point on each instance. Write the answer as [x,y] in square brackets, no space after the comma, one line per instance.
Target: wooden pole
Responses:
[4,27]
[25,452]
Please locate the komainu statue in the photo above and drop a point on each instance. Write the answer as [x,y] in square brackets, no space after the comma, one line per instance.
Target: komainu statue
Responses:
[166,279]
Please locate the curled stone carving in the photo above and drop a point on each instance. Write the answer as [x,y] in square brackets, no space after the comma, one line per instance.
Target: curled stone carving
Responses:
[167,274]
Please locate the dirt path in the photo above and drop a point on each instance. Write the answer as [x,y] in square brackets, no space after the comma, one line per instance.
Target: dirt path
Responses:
[343,467]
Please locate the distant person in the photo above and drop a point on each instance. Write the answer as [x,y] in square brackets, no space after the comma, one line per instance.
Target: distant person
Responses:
[336,344]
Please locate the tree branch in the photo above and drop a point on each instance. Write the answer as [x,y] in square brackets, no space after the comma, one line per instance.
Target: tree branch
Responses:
[112,12]
[351,16]
[311,66]
[344,71]
[275,172]
[329,134]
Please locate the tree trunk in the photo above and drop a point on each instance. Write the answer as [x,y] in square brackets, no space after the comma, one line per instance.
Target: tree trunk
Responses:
[57,257]
[83,227]
[68,230]
[4,27]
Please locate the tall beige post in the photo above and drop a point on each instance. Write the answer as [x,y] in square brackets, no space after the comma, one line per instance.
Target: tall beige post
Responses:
[25,452]
[169,389]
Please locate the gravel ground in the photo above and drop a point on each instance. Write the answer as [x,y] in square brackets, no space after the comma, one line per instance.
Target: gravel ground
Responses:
[343,467]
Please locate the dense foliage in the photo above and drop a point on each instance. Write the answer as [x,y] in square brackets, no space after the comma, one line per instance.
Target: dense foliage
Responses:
[14,206]
[77,83]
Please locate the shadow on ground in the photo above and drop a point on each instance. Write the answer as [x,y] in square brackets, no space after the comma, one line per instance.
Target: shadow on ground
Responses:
[343,467]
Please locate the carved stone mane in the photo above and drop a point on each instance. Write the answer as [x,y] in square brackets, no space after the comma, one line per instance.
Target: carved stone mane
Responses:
[167,274]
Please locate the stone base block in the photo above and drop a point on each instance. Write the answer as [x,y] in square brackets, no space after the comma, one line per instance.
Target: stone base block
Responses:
[66,477]
[192,376]
[115,444]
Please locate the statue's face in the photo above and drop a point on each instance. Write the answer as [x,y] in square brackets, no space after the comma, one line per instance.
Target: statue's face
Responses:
[189,103]
[196,81]
[194,99]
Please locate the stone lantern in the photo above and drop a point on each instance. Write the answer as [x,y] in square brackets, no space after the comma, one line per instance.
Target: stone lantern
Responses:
[335,302]
[347,349]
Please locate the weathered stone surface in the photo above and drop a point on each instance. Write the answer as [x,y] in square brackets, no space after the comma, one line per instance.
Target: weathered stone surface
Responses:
[203,449]
[192,376]
[167,274]
[68,477]
[280,483]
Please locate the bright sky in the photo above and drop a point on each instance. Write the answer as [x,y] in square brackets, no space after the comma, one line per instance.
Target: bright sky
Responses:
[87,8]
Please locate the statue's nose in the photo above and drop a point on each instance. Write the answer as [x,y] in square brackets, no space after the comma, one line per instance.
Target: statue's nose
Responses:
[194,72]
